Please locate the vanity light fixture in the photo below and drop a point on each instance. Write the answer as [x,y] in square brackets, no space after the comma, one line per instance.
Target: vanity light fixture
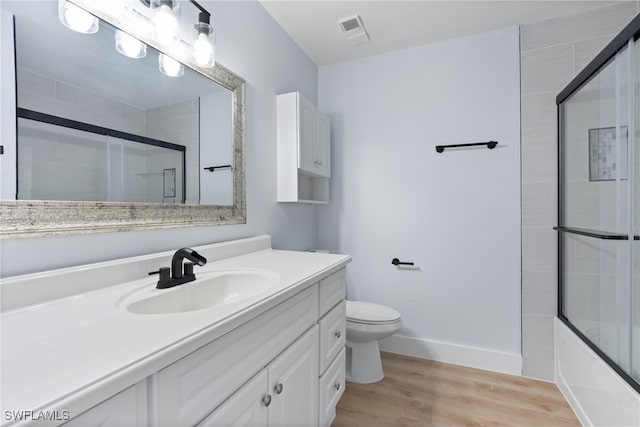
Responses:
[204,50]
[76,19]
[165,20]
[169,66]
[130,46]
[114,7]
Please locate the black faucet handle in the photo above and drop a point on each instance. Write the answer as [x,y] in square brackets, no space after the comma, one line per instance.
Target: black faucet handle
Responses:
[188,268]
[164,272]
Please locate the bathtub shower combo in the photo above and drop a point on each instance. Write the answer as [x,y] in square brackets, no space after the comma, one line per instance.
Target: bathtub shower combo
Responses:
[599,205]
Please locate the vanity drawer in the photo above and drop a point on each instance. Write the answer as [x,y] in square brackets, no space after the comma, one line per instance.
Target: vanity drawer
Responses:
[333,289]
[332,334]
[331,389]
[188,390]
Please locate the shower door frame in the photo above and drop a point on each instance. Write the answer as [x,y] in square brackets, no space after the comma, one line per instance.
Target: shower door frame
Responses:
[626,37]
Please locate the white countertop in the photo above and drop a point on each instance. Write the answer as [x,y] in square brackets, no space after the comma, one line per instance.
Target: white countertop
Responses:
[73,352]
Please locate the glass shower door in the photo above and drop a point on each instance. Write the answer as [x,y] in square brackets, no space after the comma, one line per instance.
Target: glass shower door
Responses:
[635,223]
[596,122]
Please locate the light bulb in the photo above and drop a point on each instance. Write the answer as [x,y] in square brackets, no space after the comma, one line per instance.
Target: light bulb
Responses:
[76,18]
[169,66]
[166,25]
[130,46]
[202,50]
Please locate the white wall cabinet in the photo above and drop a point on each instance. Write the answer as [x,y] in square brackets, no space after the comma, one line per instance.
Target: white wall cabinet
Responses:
[304,150]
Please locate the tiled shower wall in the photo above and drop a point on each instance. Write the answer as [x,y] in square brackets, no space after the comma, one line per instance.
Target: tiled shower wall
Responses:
[40,93]
[180,123]
[553,51]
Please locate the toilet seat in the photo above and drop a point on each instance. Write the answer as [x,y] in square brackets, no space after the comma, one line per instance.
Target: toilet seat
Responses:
[370,314]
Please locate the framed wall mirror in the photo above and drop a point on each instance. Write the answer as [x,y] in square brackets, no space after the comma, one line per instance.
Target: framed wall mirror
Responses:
[118,128]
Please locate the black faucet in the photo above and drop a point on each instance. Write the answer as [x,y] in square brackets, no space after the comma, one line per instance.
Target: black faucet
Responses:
[176,276]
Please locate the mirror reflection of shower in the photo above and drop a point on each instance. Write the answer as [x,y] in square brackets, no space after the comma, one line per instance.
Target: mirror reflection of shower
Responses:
[62,163]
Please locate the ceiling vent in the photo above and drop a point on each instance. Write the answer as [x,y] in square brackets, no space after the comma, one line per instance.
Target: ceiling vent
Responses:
[354,30]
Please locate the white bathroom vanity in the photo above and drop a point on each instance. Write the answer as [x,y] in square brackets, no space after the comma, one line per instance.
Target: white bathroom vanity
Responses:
[257,338]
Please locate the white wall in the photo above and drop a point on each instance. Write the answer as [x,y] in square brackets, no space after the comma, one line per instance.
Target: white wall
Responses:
[251,44]
[455,214]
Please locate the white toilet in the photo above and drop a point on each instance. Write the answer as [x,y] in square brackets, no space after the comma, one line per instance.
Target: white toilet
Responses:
[366,324]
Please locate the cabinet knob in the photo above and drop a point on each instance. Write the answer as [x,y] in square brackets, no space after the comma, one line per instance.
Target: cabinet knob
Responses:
[336,386]
[278,388]
[338,334]
[266,401]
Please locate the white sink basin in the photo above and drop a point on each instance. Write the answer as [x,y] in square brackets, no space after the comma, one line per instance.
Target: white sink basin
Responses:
[208,290]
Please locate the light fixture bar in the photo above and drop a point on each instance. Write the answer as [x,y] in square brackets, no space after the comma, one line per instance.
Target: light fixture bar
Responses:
[202,9]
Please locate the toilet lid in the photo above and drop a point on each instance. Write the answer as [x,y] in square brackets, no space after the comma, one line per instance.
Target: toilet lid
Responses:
[368,312]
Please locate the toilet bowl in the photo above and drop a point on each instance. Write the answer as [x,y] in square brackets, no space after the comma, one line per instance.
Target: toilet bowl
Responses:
[366,324]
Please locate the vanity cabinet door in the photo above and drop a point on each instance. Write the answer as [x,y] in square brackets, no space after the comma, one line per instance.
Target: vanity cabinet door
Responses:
[246,407]
[293,383]
[284,393]
[127,408]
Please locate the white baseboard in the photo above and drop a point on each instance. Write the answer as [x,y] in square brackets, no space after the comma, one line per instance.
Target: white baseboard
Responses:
[473,357]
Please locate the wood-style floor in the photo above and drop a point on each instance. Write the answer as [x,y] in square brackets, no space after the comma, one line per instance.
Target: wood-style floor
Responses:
[416,392]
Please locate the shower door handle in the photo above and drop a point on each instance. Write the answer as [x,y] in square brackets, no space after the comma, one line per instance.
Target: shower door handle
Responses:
[605,235]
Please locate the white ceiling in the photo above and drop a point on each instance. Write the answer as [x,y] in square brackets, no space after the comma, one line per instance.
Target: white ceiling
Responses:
[399,24]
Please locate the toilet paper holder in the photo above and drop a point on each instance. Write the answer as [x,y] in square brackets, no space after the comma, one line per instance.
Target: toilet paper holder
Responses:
[396,261]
